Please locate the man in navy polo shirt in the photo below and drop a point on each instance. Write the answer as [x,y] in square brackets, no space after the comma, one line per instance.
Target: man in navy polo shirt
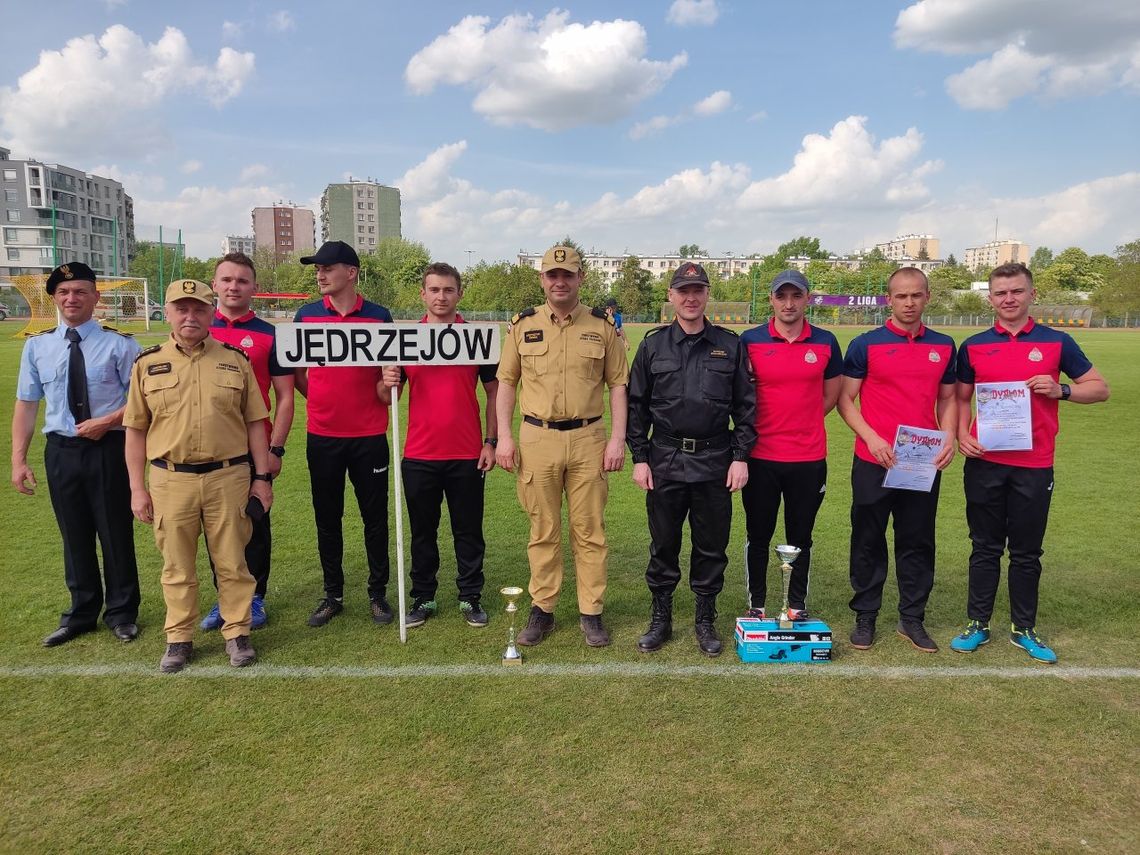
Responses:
[903,374]
[347,408]
[235,281]
[797,369]
[446,454]
[1008,492]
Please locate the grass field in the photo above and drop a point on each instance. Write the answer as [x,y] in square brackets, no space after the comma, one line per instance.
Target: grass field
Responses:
[341,739]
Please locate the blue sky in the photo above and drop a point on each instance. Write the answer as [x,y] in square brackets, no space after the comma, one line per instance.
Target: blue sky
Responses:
[633,126]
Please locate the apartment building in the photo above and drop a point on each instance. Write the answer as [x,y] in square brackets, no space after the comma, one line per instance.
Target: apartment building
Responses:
[360,213]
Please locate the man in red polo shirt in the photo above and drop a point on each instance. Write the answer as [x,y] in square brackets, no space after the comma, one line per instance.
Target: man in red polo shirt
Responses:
[235,281]
[1008,492]
[446,454]
[347,408]
[797,369]
[903,374]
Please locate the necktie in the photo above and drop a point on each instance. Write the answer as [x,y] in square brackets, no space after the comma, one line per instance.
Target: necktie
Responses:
[77,380]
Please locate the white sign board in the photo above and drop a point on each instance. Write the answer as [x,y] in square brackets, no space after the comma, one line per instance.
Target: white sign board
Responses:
[326,345]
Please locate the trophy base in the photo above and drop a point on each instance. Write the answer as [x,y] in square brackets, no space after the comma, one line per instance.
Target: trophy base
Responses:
[769,641]
[785,623]
[512,660]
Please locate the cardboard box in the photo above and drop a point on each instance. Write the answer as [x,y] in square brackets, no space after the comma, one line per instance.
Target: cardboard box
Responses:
[764,641]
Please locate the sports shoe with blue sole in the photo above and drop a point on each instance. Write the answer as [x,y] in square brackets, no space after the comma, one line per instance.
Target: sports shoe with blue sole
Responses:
[971,638]
[1033,644]
[258,616]
[213,620]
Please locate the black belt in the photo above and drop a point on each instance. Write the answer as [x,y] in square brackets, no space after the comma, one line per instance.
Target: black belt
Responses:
[690,445]
[569,424]
[59,439]
[200,468]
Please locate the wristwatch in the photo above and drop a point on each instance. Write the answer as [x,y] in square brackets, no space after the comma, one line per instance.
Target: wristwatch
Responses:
[263,476]
[1066,391]
[278,450]
[491,441]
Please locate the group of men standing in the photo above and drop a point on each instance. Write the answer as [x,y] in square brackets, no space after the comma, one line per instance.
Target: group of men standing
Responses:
[704,412]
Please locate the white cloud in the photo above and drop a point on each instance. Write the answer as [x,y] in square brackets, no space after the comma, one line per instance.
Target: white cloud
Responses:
[847,169]
[1056,49]
[253,171]
[282,21]
[190,167]
[549,74]
[758,116]
[231,32]
[429,178]
[717,102]
[102,92]
[112,5]
[204,214]
[686,13]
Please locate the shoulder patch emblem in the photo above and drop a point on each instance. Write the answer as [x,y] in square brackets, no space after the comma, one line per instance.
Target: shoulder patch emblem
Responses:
[41,332]
[154,348]
[1035,355]
[934,357]
[235,349]
[600,314]
[655,330]
[525,313]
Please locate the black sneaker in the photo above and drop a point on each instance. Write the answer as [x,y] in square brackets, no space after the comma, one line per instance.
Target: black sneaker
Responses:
[473,613]
[381,611]
[863,635]
[326,610]
[914,632]
[420,612]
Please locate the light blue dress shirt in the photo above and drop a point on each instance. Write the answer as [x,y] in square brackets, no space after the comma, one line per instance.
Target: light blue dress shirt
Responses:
[108,356]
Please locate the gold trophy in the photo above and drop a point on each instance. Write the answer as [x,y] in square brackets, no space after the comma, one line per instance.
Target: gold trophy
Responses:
[786,554]
[512,656]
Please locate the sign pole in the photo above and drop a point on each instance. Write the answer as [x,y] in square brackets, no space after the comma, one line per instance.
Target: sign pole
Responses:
[398,483]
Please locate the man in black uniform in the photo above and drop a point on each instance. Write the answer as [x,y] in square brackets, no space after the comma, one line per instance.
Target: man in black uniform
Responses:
[687,381]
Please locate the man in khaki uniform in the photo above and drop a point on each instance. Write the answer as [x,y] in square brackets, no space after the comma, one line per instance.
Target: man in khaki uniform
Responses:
[564,354]
[195,412]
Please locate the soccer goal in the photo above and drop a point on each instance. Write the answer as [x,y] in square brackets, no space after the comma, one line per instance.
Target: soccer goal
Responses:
[124,302]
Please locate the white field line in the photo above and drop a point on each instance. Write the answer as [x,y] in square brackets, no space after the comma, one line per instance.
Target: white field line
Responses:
[626,670]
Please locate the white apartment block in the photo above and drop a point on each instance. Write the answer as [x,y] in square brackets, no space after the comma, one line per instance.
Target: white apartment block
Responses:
[908,247]
[609,266]
[239,243]
[996,252]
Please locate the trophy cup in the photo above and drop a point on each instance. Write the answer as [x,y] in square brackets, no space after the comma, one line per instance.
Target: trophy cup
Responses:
[786,554]
[512,656]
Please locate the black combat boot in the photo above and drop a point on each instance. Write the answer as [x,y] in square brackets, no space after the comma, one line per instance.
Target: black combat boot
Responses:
[660,623]
[707,638]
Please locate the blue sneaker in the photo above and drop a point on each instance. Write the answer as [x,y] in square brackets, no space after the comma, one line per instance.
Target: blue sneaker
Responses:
[214,619]
[1033,644]
[258,616]
[972,637]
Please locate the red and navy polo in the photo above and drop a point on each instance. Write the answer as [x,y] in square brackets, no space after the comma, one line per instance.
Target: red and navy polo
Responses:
[254,336]
[902,376]
[999,356]
[342,400]
[789,391]
[443,410]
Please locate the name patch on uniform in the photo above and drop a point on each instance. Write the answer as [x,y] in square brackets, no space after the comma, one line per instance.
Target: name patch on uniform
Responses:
[590,336]
[225,366]
[159,368]
[718,353]
[532,335]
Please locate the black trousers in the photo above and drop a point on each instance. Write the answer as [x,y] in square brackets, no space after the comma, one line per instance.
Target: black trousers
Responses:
[801,486]
[257,555]
[91,496]
[1006,505]
[426,483]
[913,513]
[365,460]
[708,505]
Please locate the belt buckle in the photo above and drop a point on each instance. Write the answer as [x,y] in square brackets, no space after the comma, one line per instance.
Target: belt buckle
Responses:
[688,445]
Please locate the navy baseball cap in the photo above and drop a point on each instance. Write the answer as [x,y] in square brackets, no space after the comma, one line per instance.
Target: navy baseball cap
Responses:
[333,252]
[791,277]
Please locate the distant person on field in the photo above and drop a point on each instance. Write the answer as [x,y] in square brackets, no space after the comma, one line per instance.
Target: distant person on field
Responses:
[235,282]
[1008,493]
[902,374]
[614,312]
[446,454]
[83,371]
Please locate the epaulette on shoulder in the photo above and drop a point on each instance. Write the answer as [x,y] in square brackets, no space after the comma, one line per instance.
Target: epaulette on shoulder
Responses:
[525,313]
[656,330]
[41,332]
[119,332]
[727,330]
[601,314]
[154,348]
[235,349]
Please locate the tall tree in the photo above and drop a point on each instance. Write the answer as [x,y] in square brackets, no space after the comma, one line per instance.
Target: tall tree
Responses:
[802,247]
[951,261]
[633,287]
[691,250]
[1042,257]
